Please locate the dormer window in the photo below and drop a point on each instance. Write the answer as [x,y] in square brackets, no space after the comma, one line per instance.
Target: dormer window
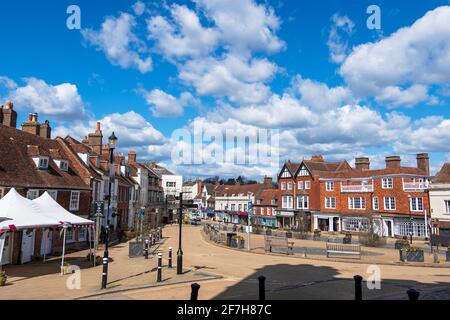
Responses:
[64,165]
[43,163]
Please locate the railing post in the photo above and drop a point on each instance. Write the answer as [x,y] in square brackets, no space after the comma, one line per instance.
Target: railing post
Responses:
[358,287]
[413,295]
[159,275]
[262,288]
[146,249]
[194,291]
[170,257]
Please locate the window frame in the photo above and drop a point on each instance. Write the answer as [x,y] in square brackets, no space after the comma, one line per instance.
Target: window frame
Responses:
[390,207]
[414,201]
[447,206]
[328,184]
[352,203]
[387,185]
[307,185]
[71,206]
[376,201]
[42,159]
[33,190]
[329,202]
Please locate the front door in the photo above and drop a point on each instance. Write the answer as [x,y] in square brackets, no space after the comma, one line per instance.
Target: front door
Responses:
[7,244]
[27,245]
[46,242]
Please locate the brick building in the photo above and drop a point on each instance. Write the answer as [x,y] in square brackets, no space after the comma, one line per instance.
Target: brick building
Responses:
[333,196]
[32,163]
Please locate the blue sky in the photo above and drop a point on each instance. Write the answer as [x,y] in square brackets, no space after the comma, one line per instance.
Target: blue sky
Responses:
[310,69]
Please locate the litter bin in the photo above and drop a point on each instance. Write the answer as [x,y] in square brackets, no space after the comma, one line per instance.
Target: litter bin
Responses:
[230,235]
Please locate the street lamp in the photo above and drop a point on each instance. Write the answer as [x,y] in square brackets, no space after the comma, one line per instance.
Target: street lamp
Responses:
[112,140]
[180,251]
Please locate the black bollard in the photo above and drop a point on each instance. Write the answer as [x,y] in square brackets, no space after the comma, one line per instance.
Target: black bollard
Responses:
[170,257]
[358,287]
[159,276]
[262,288]
[160,259]
[194,292]
[413,295]
[146,249]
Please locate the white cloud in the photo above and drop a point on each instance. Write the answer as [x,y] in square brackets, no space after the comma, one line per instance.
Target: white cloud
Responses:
[319,97]
[244,25]
[8,83]
[131,129]
[184,37]
[341,27]
[139,8]
[239,80]
[165,105]
[400,68]
[119,43]
[60,101]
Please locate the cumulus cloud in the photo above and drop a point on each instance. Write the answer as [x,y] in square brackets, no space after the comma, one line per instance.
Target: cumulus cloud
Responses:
[131,128]
[400,69]
[60,101]
[163,104]
[139,8]
[119,43]
[341,28]
[184,37]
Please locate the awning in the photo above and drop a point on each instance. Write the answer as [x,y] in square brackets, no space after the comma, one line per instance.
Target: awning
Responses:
[242,214]
[56,211]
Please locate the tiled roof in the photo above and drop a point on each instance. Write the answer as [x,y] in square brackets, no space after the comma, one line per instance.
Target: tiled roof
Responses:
[266,196]
[18,169]
[239,189]
[443,176]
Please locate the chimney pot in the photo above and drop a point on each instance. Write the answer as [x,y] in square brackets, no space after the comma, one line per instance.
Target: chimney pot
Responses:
[362,163]
[393,162]
[423,162]
[9,105]
[97,127]
[132,156]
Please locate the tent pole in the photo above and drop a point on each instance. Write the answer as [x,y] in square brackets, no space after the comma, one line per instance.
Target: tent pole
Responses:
[63,251]
[45,242]
[2,245]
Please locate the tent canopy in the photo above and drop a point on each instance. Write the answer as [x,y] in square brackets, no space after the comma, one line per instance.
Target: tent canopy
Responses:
[53,209]
[22,213]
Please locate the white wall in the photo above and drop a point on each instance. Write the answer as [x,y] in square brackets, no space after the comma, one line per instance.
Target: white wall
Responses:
[438,194]
[178,180]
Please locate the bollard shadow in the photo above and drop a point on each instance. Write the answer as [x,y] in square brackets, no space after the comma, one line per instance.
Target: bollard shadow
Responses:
[307,282]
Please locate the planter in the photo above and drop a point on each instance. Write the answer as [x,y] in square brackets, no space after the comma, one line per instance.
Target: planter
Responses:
[401,244]
[268,232]
[3,281]
[347,240]
[288,234]
[412,256]
[316,236]
[447,256]
[135,249]
[64,269]
[241,244]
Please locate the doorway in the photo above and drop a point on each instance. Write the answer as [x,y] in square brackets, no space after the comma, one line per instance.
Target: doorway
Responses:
[46,242]
[6,257]
[27,250]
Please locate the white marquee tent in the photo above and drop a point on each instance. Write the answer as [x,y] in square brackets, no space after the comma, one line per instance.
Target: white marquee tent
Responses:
[22,213]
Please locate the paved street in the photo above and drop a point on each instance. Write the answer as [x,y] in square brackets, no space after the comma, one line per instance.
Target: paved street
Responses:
[237,271]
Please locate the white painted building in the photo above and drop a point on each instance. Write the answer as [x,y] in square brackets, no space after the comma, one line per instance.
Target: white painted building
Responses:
[439,193]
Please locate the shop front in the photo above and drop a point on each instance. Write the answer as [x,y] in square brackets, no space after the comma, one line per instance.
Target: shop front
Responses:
[327,222]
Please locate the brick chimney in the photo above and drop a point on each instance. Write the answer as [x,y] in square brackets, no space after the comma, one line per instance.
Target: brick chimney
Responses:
[32,125]
[317,158]
[95,140]
[423,162]
[46,130]
[9,116]
[393,162]
[132,156]
[268,182]
[362,163]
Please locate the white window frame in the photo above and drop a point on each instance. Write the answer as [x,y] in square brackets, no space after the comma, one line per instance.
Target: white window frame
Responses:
[32,191]
[300,185]
[70,235]
[43,162]
[303,172]
[330,202]
[447,206]
[2,192]
[283,185]
[84,230]
[289,185]
[64,165]
[329,186]
[307,185]
[375,203]
[415,203]
[387,183]
[392,206]
[352,203]
[53,194]
[302,202]
[72,205]
[287,202]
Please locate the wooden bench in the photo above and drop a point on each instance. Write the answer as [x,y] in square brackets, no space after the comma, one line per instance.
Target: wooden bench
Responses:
[271,242]
[340,248]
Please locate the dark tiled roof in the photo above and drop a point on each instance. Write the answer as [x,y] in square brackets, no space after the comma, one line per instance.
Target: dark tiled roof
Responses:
[443,176]
[266,196]
[18,169]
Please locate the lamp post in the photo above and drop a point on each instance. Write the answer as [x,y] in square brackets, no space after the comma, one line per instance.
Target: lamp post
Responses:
[180,251]
[112,145]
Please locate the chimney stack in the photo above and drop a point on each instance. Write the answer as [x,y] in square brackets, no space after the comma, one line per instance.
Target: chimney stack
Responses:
[46,130]
[32,125]
[95,140]
[362,163]
[9,116]
[268,182]
[423,162]
[393,162]
[317,158]
[132,156]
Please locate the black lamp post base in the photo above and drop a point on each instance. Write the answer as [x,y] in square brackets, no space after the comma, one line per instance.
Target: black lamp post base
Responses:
[179,264]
